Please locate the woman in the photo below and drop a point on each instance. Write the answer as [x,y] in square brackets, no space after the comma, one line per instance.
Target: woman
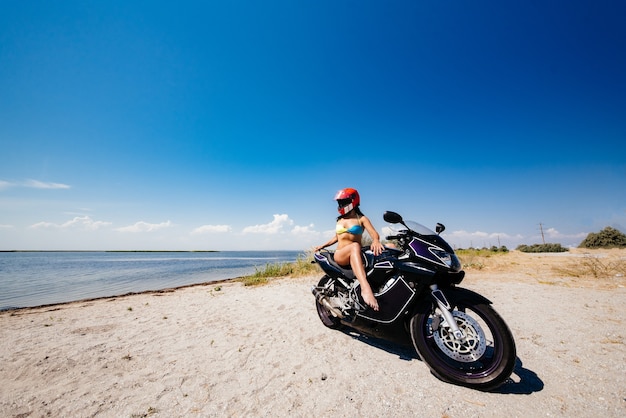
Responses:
[350,225]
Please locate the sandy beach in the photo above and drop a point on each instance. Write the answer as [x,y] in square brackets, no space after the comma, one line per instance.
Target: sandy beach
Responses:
[222,349]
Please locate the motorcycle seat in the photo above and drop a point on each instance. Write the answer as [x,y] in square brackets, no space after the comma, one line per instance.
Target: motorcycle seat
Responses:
[347,270]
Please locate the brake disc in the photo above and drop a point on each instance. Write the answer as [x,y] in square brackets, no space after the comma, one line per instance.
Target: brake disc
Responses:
[467,350]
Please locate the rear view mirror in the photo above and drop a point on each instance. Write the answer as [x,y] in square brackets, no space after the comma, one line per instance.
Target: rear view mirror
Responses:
[392,217]
[440,228]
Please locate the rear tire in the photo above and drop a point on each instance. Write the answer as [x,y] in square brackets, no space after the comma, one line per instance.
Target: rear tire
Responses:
[327,318]
[484,361]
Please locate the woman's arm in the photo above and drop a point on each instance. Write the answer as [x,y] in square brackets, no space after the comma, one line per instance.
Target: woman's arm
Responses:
[330,242]
[376,246]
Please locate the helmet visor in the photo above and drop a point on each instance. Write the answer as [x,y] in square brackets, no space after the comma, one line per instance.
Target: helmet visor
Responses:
[341,203]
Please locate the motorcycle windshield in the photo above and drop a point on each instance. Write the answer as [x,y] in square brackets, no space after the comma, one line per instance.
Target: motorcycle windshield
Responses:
[425,234]
[395,229]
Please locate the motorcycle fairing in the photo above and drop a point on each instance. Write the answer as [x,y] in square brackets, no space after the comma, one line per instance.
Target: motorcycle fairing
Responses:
[424,249]
[383,265]
[380,272]
[418,269]
[457,294]
[392,302]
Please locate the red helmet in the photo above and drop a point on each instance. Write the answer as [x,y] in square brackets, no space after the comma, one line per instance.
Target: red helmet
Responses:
[347,199]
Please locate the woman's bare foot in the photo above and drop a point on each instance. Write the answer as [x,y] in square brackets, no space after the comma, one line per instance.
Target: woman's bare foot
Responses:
[370,300]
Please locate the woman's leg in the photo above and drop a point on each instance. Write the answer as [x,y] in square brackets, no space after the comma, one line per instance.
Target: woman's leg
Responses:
[352,254]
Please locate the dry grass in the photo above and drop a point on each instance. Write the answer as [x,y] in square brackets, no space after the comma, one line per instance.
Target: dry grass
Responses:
[478,259]
[593,266]
[599,268]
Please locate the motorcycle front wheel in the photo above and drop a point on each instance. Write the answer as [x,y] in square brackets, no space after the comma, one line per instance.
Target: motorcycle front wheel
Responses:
[483,360]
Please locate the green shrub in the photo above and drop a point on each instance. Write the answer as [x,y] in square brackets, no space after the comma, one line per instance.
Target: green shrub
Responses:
[607,238]
[303,266]
[542,248]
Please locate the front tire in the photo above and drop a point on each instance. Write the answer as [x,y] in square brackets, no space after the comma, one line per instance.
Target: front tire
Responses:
[484,360]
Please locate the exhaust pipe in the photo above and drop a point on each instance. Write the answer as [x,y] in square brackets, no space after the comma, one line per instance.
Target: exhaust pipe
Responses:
[322,299]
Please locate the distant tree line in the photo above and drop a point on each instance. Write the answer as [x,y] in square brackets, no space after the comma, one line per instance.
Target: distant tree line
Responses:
[492,249]
[607,238]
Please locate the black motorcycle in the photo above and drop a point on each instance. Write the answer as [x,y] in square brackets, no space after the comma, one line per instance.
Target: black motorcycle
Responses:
[455,331]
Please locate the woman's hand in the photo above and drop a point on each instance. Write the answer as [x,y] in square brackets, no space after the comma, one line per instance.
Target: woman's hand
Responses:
[377,247]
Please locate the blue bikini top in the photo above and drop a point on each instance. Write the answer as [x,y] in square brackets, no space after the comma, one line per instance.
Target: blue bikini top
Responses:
[354,229]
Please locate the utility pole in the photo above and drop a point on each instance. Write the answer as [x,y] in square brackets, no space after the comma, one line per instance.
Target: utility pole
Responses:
[542,237]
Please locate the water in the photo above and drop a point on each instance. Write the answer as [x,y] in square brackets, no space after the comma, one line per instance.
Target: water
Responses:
[41,278]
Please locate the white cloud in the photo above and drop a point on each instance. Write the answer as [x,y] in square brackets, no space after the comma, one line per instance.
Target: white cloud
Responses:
[480,238]
[33,184]
[554,234]
[5,226]
[44,225]
[466,234]
[551,232]
[209,229]
[142,226]
[304,230]
[36,184]
[275,227]
[79,222]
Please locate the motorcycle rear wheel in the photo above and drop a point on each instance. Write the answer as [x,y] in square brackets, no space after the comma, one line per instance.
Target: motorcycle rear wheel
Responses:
[484,361]
[327,318]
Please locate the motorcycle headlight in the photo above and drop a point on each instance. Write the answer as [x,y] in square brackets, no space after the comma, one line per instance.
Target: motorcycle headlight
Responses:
[443,256]
[449,259]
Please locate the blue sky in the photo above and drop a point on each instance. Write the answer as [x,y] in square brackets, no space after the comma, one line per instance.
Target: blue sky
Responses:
[230,125]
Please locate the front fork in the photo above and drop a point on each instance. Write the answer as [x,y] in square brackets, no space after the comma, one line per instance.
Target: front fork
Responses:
[445,308]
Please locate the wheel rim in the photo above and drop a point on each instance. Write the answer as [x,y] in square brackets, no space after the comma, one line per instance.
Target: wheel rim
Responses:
[466,367]
[471,349]
[327,318]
